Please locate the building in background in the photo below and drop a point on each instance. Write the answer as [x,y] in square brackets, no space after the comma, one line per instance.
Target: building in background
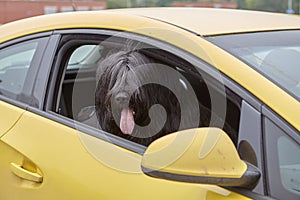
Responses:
[206,4]
[11,10]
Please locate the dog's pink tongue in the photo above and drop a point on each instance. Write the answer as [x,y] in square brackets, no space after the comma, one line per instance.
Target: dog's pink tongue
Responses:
[127,121]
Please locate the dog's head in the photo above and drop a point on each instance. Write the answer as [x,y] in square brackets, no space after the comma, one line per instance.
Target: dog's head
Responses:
[120,101]
[134,98]
[123,99]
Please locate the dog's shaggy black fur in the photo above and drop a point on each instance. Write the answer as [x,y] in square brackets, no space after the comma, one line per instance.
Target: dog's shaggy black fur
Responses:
[121,91]
[120,87]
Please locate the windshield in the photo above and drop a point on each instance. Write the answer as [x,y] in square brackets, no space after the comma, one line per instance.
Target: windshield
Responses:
[276,55]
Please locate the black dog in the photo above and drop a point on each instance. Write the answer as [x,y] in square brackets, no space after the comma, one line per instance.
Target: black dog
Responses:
[124,99]
[131,85]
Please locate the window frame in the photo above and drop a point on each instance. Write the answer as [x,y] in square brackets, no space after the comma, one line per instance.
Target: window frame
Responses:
[162,45]
[79,33]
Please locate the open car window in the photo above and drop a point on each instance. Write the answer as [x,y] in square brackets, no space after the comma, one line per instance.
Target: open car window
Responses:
[167,93]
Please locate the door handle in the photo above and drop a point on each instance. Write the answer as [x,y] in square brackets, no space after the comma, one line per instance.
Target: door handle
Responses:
[19,171]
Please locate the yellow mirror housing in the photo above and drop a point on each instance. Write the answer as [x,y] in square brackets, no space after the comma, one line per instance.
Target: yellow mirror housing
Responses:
[202,155]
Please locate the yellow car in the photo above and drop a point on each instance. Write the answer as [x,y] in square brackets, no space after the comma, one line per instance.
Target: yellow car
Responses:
[234,77]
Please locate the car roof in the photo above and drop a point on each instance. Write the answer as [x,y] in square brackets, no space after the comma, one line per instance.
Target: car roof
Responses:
[212,21]
[201,21]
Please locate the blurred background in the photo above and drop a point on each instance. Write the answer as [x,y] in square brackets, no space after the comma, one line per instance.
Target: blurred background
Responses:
[11,10]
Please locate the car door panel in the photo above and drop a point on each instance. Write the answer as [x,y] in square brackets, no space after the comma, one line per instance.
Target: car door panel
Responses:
[70,171]
[9,179]
[9,114]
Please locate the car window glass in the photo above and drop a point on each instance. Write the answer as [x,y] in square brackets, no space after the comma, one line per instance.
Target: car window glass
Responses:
[289,164]
[283,162]
[77,98]
[84,56]
[15,62]
[274,54]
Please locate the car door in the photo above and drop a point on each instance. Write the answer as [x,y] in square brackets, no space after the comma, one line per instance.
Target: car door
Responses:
[18,66]
[51,154]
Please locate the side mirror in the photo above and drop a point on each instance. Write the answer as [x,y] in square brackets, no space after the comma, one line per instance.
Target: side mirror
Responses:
[201,155]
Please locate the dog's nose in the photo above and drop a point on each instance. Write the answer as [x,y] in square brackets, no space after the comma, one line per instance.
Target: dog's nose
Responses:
[122,98]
